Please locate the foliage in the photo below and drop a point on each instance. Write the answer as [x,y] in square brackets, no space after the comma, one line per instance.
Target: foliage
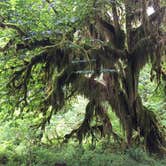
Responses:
[75,155]
[55,53]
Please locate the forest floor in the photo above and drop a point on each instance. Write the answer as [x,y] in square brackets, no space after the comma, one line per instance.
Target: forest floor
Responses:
[76,155]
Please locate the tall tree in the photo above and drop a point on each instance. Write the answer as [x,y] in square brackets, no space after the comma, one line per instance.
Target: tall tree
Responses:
[59,55]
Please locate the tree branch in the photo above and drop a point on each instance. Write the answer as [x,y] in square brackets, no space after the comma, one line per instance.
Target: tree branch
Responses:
[12,26]
[25,72]
[128,9]
[115,16]
[30,45]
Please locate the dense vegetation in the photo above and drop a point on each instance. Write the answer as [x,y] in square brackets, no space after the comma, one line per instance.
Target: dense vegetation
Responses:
[82,82]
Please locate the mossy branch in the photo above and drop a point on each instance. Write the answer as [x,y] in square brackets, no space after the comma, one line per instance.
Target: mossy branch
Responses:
[12,26]
[20,78]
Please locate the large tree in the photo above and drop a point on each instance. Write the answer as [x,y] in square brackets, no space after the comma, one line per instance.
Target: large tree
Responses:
[56,50]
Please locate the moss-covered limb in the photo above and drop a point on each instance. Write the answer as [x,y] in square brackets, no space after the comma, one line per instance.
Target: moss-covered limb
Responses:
[84,86]
[12,26]
[30,45]
[150,129]
[118,98]
[115,15]
[120,34]
[106,123]
[112,34]
[158,17]
[128,9]
[141,53]
[26,45]
[85,127]
[107,31]
[145,21]
[154,22]
[121,106]
[60,90]
[114,53]
[34,61]
[105,129]
[20,79]
[25,71]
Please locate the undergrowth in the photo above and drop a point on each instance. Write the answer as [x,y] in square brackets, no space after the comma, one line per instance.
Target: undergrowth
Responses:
[76,155]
